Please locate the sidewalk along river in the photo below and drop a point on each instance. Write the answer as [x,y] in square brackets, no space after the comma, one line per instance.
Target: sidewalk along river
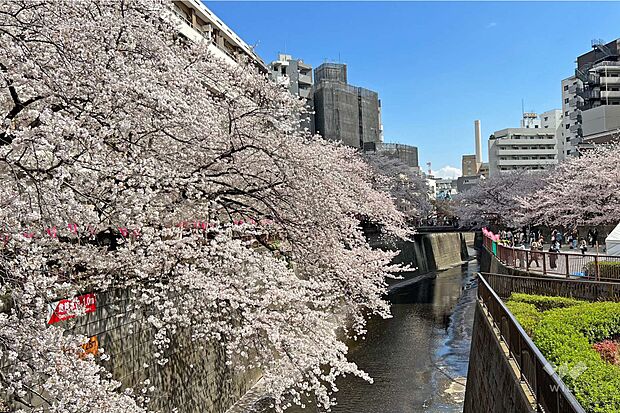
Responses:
[418,359]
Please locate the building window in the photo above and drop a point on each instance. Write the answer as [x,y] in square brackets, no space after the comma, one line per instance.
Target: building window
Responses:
[567,125]
[565,87]
[546,118]
[565,100]
[566,113]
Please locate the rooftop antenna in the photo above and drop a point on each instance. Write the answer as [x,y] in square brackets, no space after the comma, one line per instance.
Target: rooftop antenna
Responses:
[522,108]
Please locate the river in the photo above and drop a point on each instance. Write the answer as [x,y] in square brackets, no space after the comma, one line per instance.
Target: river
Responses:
[418,358]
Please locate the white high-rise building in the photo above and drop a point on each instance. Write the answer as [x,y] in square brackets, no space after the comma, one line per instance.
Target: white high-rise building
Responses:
[533,147]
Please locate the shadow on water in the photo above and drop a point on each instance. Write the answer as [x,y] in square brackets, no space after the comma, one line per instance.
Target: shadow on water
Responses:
[418,358]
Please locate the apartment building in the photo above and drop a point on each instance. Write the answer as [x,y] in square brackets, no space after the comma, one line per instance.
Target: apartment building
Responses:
[529,148]
[199,24]
[591,99]
[292,73]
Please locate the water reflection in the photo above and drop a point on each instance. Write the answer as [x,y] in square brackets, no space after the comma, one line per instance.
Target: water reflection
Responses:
[418,358]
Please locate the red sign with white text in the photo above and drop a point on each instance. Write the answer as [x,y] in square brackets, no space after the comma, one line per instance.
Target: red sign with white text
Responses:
[68,308]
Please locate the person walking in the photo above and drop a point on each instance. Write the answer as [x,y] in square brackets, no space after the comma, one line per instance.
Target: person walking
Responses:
[583,246]
[574,235]
[559,237]
[594,237]
[554,249]
[535,247]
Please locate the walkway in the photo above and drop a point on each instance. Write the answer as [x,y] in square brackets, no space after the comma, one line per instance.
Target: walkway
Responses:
[564,264]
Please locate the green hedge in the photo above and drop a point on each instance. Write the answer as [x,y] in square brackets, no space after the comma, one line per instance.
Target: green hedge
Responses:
[606,269]
[543,302]
[565,336]
[526,313]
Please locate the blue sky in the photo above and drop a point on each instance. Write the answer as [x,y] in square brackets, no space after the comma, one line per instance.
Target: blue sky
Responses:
[436,65]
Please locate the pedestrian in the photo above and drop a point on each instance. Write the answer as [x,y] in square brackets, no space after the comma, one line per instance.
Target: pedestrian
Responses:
[554,249]
[575,235]
[594,238]
[583,246]
[559,237]
[534,248]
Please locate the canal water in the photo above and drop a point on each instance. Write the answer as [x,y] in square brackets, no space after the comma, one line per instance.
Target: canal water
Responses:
[418,359]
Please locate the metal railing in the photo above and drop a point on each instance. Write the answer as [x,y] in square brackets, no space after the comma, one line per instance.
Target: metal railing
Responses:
[550,394]
[587,266]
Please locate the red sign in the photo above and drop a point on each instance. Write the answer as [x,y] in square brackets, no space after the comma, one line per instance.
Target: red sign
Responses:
[70,307]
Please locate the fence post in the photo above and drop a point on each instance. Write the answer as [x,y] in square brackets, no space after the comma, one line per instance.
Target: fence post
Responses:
[567,269]
[544,260]
[527,260]
[596,270]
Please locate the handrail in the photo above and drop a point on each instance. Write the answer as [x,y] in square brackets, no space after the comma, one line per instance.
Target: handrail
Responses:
[550,393]
[583,266]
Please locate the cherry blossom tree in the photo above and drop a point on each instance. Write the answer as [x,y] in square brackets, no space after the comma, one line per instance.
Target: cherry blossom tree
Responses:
[407,187]
[493,201]
[583,190]
[131,158]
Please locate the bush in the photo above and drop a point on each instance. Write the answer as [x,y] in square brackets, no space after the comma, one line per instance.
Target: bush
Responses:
[543,302]
[565,336]
[606,269]
[526,314]
[608,350]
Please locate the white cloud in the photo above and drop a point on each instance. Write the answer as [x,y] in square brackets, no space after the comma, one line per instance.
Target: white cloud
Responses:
[448,172]
[490,25]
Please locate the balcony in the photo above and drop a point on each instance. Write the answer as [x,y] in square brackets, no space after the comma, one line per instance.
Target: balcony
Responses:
[609,80]
[526,152]
[610,94]
[575,115]
[306,79]
[587,93]
[526,162]
[575,128]
[575,102]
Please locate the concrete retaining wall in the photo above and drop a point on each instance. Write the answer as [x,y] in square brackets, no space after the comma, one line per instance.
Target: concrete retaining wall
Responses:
[428,252]
[493,384]
[195,380]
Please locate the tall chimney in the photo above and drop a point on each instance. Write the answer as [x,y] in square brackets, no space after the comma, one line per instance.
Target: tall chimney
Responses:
[478,142]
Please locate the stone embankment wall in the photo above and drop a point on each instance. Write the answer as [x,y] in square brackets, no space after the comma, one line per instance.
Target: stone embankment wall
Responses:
[196,377]
[493,384]
[429,252]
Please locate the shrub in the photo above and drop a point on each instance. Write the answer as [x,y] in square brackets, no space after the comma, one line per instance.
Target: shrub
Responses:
[608,350]
[526,314]
[606,269]
[565,336]
[543,302]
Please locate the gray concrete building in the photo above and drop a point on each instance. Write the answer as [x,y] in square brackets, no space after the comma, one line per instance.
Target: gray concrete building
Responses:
[296,76]
[408,154]
[343,112]
[292,73]
[591,99]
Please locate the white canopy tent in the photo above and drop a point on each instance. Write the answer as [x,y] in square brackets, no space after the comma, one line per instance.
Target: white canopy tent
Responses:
[612,242]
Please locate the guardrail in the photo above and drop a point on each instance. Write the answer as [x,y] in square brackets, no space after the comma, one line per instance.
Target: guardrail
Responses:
[589,290]
[588,266]
[550,394]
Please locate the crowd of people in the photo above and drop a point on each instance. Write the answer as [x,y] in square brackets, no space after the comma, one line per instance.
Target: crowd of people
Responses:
[534,238]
